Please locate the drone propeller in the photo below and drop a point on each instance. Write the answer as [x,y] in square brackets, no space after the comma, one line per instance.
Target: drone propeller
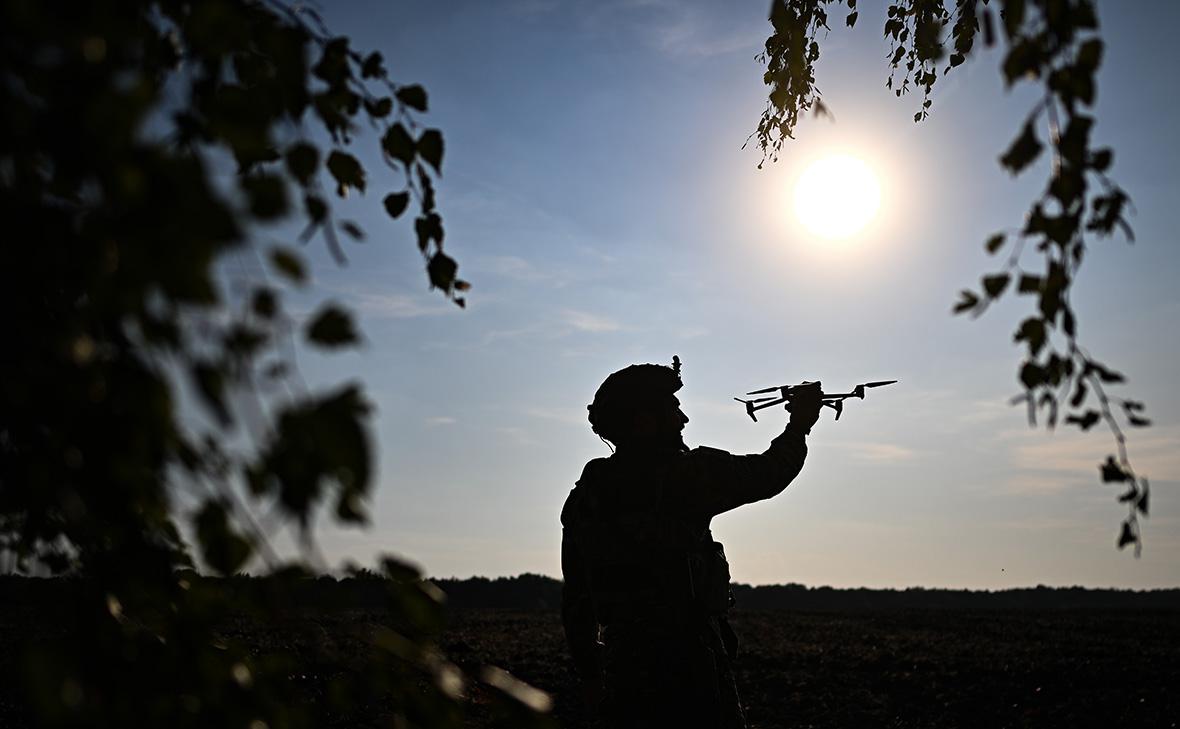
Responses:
[755,401]
[784,390]
[880,384]
[764,390]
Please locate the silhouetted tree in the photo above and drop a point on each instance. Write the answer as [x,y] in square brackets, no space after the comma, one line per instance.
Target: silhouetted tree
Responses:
[121,128]
[1052,43]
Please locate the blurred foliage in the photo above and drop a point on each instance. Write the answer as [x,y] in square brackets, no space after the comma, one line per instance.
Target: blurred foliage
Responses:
[141,143]
[1056,45]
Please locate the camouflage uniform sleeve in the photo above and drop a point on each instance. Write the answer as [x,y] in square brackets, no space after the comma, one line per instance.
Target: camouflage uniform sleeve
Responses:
[718,481]
[577,608]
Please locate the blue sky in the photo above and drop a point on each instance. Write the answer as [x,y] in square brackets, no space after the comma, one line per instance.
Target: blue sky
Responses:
[596,194]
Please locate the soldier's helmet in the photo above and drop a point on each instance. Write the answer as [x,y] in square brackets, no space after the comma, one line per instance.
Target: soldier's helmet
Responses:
[627,392]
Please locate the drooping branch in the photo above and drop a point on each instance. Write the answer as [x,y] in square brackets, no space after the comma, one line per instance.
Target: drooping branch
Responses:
[1057,45]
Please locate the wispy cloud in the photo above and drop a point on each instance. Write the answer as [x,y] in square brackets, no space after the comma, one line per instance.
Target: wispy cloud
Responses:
[577,352]
[883,452]
[513,267]
[499,335]
[1070,528]
[1058,452]
[1043,483]
[561,415]
[586,322]
[983,412]
[567,322]
[437,420]
[675,27]
[395,306]
[692,332]
[1050,462]
[518,436]
[685,31]
[520,270]
[1152,449]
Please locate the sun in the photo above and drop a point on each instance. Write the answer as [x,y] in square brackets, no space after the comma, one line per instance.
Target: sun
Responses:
[837,196]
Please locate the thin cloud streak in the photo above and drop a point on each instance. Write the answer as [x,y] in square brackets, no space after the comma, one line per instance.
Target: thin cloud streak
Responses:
[512,267]
[690,34]
[678,29]
[395,306]
[568,417]
[586,322]
[1058,462]
[1152,451]
[518,436]
[883,452]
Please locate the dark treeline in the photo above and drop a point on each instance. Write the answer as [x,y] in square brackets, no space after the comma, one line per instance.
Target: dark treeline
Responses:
[538,592]
[800,597]
[526,592]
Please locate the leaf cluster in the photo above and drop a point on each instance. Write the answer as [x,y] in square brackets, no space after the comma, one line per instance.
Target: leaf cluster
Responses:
[1056,45]
[141,391]
[1052,43]
[790,56]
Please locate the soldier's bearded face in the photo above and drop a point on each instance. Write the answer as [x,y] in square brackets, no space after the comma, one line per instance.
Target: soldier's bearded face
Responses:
[680,418]
[662,425]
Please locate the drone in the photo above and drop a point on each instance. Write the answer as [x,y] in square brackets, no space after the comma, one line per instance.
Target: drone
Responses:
[833,400]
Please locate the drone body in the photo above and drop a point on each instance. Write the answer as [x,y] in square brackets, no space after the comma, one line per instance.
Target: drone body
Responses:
[834,401]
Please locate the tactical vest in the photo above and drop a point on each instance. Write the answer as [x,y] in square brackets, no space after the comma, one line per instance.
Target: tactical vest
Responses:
[644,559]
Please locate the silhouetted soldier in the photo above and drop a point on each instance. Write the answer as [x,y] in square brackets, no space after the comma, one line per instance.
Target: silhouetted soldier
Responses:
[646,587]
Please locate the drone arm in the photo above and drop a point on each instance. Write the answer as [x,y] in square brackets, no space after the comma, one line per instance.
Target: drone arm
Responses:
[767,404]
[838,406]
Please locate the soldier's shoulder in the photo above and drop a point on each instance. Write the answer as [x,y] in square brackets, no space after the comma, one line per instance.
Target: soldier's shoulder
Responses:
[575,506]
[579,496]
[592,472]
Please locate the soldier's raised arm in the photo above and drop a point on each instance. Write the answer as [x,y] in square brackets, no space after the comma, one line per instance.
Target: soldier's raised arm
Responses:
[717,481]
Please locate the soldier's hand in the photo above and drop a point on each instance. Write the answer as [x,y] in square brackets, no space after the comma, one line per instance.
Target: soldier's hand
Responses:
[805,406]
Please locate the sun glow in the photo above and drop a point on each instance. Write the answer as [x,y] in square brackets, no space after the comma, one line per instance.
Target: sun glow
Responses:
[837,196]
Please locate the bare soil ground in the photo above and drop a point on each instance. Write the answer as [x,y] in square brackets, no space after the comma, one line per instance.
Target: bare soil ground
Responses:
[914,668]
[937,668]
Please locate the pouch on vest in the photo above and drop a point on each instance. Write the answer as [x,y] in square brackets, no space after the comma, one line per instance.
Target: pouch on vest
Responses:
[710,575]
